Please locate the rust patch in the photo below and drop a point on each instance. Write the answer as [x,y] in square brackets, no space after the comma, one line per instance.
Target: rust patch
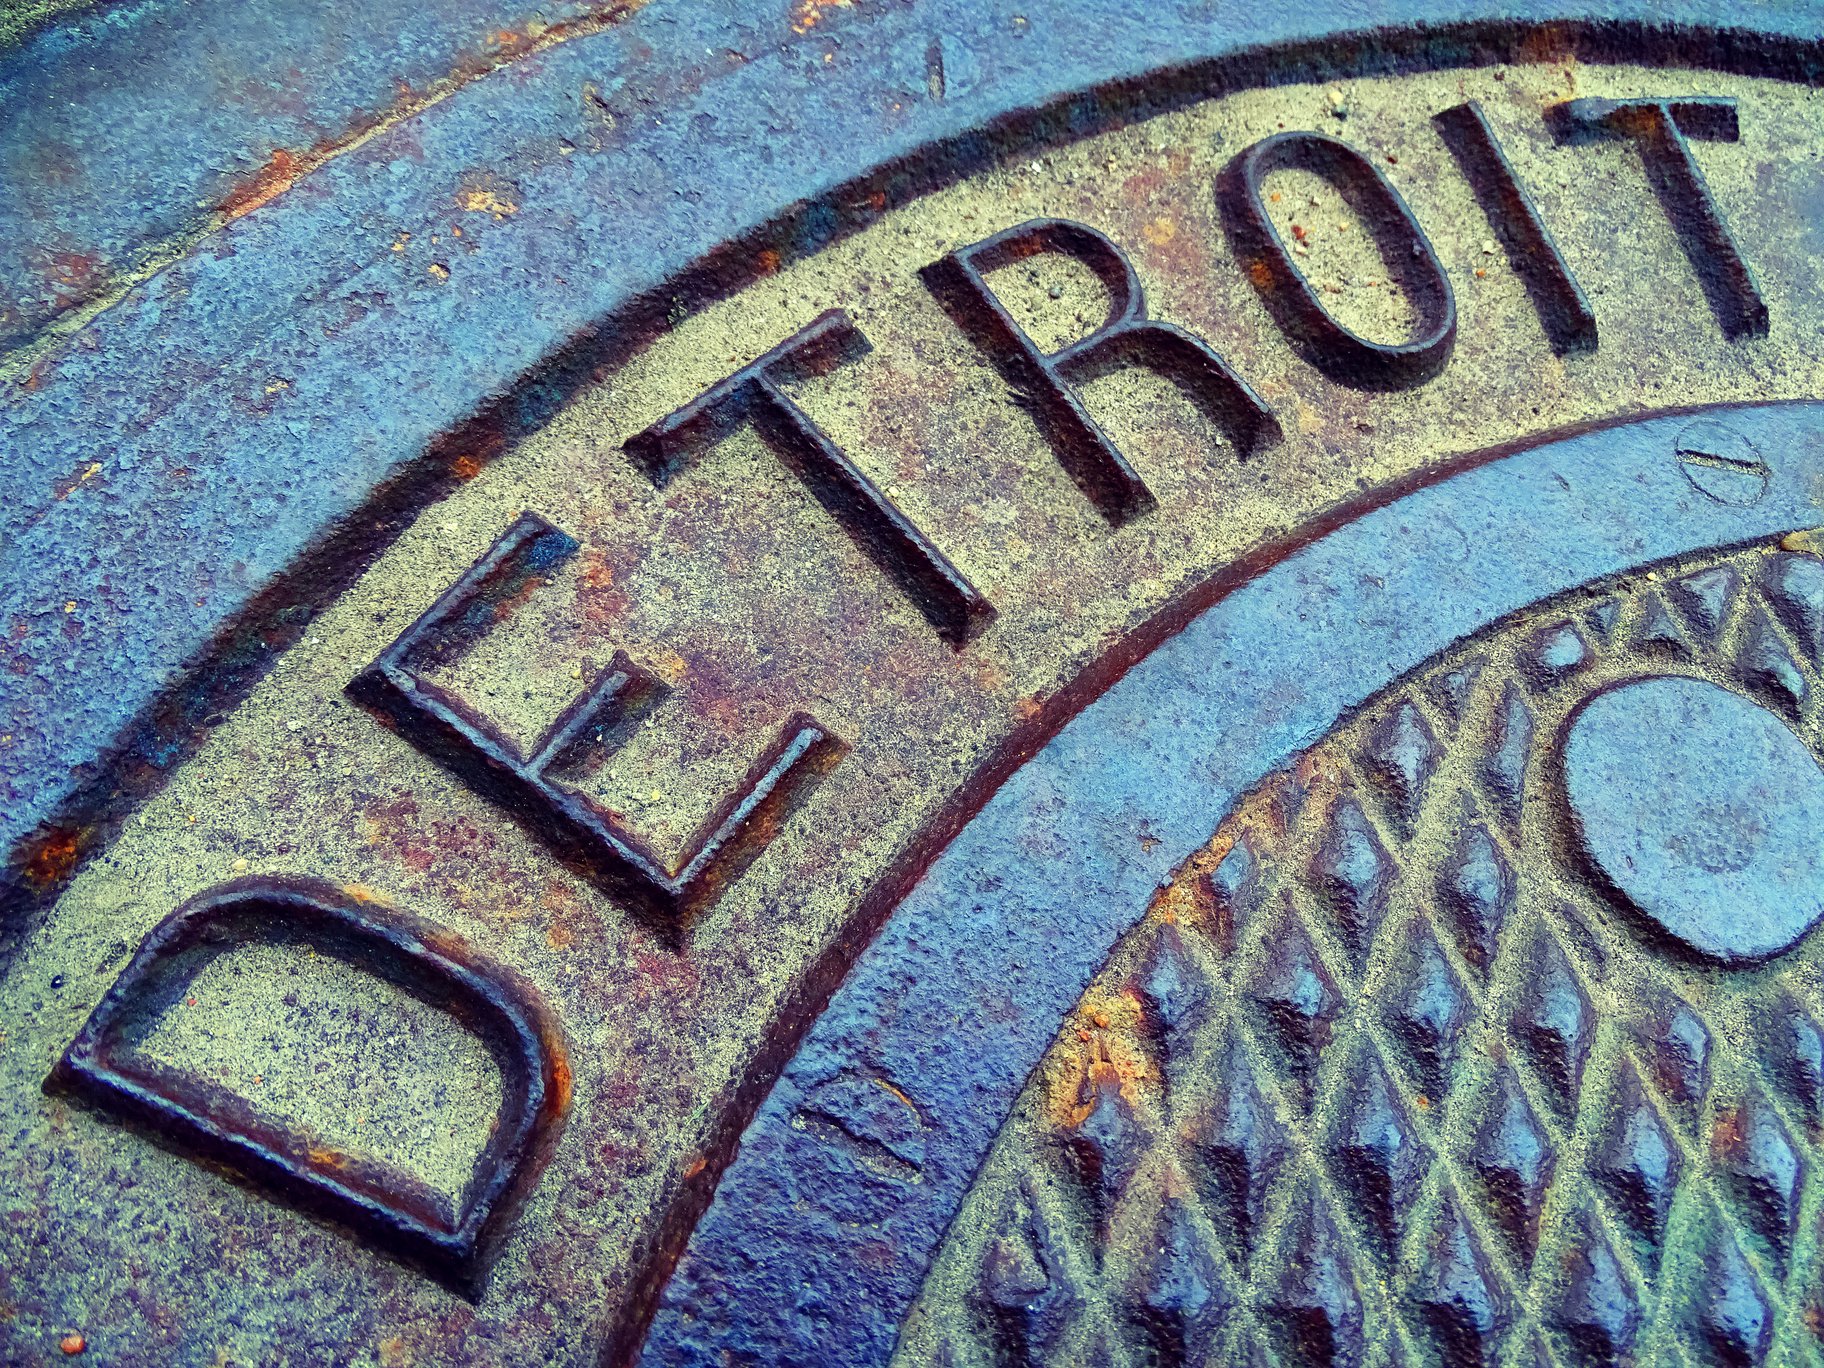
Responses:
[77,272]
[482,199]
[286,166]
[278,175]
[807,14]
[55,856]
[89,288]
[70,483]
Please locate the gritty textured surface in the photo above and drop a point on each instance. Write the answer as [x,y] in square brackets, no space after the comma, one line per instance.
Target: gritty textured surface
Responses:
[350,1060]
[1381,1079]
[303,362]
[735,588]
[809,1247]
[19,17]
[129,132]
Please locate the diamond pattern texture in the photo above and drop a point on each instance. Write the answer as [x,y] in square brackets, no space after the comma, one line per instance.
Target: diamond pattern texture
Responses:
[1380,1080]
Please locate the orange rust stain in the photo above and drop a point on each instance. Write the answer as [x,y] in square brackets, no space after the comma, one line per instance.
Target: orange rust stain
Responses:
[558,898]
[55,856]
[480,201]
[810,13]
[767,262]
[285,167]
[279,174]
[465,467]
[361,893]
[69,484]
[559,936]
[1106,1067]
[1727,1137]
[72,1345]
[898,1093]
[1160,231]
[560,1077]
[594,570]
[77,272]
[695,1166]
[807,14]
[448,944]
[1544,46]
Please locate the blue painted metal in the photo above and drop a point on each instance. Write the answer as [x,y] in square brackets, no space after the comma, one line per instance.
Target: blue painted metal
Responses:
[809,1254]
[126,127]
[211,457]
[1703,811]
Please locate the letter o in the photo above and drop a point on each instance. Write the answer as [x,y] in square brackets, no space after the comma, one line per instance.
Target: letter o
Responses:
[1343,355]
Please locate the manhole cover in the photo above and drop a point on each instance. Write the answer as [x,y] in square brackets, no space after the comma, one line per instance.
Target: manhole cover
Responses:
[846,685]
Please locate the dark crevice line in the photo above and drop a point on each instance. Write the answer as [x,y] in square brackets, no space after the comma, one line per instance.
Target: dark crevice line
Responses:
[1712,462]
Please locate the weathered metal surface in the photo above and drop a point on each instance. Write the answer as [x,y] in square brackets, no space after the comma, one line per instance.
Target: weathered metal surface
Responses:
[821,1230]
[1382,1074]
[306,367]
[451,1240]
[630,514]
[134,131]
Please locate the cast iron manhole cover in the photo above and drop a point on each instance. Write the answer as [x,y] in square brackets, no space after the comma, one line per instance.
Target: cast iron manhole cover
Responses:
[913,684]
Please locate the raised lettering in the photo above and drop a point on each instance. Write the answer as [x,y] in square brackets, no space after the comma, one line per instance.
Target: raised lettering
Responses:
[954,606]
[1564,311]
[210,1123]
[1343,355]
[1048,380]
[580,832]
[1661,129]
